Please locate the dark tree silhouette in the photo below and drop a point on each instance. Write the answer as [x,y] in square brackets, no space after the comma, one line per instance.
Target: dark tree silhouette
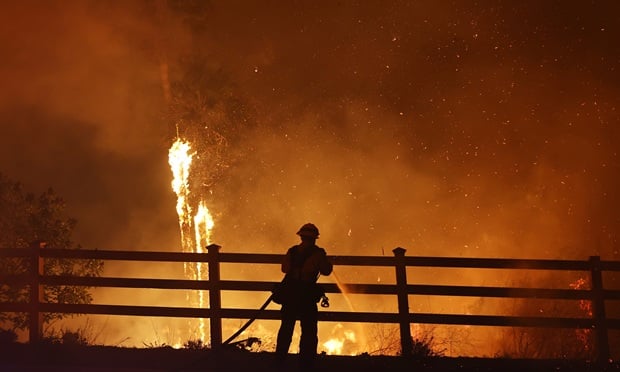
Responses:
[26,218]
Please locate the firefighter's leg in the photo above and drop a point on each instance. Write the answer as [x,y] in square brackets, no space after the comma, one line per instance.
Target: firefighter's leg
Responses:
[285,334]
[309,339]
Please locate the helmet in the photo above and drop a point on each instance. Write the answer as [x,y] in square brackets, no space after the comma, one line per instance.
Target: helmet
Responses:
[309,230]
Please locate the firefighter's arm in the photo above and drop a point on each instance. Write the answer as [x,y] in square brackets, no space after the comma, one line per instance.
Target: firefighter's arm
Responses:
[286,262]
[324,264]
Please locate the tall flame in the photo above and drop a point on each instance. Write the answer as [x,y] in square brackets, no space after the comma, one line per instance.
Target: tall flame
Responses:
[201,223]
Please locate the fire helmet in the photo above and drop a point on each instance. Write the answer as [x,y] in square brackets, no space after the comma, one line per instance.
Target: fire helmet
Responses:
[309,230]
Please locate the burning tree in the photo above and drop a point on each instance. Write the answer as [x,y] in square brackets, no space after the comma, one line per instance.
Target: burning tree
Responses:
[207,119]
[25,218]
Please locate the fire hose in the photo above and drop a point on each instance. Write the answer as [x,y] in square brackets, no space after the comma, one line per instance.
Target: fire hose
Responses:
[324,303]
[248,323]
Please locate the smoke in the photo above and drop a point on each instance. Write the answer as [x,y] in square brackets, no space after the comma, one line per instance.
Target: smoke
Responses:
[81,113]
[450,130]
[458,134]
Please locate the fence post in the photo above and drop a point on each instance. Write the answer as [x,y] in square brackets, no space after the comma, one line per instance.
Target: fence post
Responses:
[36,292]
[215,299]
[598,307]
[403,301]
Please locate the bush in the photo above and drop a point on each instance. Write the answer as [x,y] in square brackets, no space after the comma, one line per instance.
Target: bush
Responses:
[424,348]
[194,345]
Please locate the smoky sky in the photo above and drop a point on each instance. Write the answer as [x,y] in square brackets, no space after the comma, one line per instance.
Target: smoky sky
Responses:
[458,128]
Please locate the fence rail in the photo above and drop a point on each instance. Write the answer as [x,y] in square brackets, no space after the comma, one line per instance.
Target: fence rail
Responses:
[596,294]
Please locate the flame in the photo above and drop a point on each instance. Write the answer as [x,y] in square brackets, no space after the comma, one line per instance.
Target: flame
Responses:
[584,305]
[341,342]
[203,225]
[583,335]
[180,160]
[334,346]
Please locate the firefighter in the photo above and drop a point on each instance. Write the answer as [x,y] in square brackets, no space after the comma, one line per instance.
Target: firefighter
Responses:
[302,265]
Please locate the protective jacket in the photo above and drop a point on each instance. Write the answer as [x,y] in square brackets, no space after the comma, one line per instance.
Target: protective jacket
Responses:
[306,263]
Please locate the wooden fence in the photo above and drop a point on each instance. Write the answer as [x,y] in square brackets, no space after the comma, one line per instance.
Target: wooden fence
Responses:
[600,323]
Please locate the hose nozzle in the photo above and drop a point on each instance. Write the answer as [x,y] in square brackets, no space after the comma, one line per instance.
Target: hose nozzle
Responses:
[324,301]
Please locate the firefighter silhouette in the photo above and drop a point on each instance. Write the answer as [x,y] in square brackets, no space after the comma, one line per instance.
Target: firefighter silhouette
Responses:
[302,264]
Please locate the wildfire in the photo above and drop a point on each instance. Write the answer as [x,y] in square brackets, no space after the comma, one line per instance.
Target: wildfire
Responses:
[200,223]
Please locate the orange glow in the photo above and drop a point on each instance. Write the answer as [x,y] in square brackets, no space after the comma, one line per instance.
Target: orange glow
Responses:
[448,129]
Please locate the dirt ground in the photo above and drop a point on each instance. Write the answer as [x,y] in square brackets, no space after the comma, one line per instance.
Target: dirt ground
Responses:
[23,357]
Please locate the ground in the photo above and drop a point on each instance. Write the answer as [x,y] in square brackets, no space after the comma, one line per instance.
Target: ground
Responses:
[23,357]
